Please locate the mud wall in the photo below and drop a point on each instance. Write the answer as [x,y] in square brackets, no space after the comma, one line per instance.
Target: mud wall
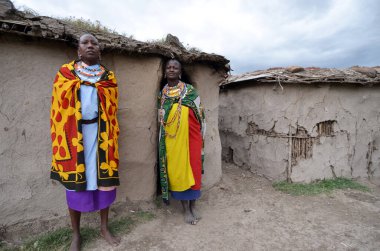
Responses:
[304,132]
[28,67]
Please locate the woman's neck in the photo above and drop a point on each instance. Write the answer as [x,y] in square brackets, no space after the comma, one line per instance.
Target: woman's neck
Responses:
[172,83]
[89,63]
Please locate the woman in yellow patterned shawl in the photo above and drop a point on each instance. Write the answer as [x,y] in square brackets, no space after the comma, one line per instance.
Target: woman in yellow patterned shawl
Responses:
[84,133]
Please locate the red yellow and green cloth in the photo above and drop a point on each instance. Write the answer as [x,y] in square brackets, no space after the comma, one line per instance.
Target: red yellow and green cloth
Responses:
[180,146]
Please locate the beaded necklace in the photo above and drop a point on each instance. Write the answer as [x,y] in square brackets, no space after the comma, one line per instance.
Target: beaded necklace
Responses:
[89,71]
[174,92]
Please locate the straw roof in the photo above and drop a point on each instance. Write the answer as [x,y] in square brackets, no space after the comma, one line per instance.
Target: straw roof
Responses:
[28,24]
[311,75]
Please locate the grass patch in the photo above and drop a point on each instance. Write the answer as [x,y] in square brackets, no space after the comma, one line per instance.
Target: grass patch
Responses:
[50,241]
[61,238]
[125,224]
[157,41]
[29,11]
[158,202]
[92,26]
[122,225]
[145,216]
[323,186]
[194,49]
[4,247]
[79,23]
[88,25]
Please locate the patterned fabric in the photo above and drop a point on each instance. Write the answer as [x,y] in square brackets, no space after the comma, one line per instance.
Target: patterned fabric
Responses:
[188,97]
[68,164]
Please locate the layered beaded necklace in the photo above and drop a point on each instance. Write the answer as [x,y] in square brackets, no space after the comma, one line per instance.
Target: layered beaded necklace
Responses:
[89,70]
[174,92]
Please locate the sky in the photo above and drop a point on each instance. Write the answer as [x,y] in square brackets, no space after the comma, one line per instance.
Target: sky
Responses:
[252,34]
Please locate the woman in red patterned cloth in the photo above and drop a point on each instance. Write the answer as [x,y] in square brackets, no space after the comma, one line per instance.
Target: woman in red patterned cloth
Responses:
[84,132]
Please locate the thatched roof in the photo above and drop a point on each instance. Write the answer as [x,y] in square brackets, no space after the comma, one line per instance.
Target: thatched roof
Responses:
[27,24]
[311,75]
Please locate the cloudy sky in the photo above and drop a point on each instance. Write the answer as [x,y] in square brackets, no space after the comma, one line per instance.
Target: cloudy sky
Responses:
[252,34]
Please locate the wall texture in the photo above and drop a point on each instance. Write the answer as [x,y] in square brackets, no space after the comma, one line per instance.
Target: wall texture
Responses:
[28,67]
[303,132]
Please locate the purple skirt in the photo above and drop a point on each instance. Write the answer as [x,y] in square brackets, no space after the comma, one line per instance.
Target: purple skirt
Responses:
[89,201]
[188,194]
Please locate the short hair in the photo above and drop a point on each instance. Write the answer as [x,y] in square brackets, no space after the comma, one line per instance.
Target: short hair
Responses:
[176,60]
[86,34]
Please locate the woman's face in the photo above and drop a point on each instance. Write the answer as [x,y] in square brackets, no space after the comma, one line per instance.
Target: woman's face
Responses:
[88,49]
[173,70]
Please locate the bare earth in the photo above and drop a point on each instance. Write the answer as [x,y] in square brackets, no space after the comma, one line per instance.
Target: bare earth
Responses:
[244,212]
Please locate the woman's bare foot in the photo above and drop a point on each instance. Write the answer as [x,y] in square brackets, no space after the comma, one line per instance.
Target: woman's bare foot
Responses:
[75,243]
[196,214]
[189,218]
[194,211]
[112,240]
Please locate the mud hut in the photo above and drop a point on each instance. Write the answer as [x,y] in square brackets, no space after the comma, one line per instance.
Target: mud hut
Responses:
[303,124]
[32,49]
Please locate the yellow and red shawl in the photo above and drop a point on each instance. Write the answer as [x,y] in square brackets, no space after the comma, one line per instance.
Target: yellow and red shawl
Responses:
[68,165]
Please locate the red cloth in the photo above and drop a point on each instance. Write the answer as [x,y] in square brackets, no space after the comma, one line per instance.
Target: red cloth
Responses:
[195,148]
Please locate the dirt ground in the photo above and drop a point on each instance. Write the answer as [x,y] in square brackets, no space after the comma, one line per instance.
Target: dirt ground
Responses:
[244,212]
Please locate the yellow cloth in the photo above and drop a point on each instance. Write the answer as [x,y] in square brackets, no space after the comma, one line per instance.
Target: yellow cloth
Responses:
[177,152]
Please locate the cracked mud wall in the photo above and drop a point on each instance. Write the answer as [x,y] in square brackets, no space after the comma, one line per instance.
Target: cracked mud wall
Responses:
[302,133]
[28,69]
[206,80]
